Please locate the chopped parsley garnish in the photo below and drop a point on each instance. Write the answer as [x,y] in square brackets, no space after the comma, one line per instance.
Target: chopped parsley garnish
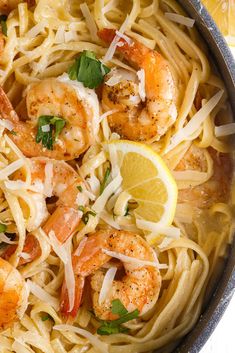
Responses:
[88,70]
[85,217]
[81,208]
[49,136]
[3,23]
[45,318]
[3,228]
[111,327]
[105,180]
[79,187]
[118,308]
[13,132]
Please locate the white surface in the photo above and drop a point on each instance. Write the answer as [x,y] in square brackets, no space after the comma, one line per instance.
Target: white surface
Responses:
[222,340]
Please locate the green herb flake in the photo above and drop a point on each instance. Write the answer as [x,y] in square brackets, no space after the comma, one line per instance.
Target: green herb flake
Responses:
[105,180]
[3,228]
[88,70]
[85,217]
[45,318]
[81,208]
[79,187]
[118,308]
[48,138]
[13,132]
[112,327]
[3,19]
[106,330]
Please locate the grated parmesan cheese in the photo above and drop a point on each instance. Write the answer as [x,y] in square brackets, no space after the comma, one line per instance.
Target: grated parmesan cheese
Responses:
[45,128]
[48,186]
[123,36]
[25,255]
[131,260]
[57,247]
[141,77]
[69,274]
[107,284]
[108,191]
[110,112]
[5,239]
[15,184]
[112,48]
[6,124]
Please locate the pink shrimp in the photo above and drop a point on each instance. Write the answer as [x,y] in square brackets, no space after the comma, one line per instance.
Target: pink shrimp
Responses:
[138,120]
[138,289]
[65,185]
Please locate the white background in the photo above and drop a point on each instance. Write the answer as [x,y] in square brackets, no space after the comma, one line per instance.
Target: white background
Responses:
[222,340]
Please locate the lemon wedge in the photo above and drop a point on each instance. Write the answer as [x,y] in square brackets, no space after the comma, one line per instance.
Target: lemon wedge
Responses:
[223,12]
[146,178]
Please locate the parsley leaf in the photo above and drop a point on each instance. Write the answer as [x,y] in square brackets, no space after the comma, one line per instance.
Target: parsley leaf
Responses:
[88,70]
[118,308]
[85,217]
[3,228]
[105,180]
[3,23]
[105,330]
[81,208]
[114,326]
[79,187]
[47,138]
[46,317]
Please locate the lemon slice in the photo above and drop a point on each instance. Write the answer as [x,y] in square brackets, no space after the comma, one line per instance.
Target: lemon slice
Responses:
[223,12]
[147,179]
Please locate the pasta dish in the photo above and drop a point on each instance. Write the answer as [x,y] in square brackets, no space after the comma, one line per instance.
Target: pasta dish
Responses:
[116,175]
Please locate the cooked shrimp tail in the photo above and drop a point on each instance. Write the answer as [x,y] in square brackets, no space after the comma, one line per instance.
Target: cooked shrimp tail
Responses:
[138,289]
[64,306]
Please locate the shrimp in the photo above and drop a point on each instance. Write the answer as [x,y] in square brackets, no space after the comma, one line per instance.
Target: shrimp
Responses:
[7,5]
[77,105]
[217,188]
[64,184]
[13,295]
[136,120]
[138,288]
